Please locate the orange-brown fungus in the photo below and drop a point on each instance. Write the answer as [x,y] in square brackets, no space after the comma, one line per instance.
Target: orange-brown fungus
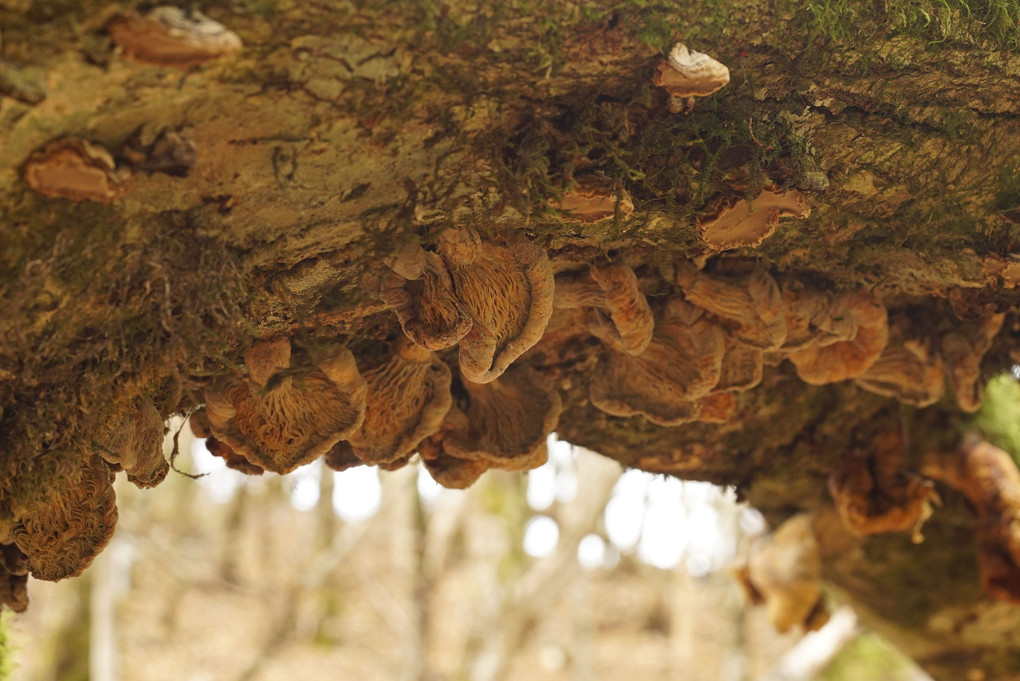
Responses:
[989,478]
[681,365]
[962,351]
[785,571]
[750,311]
[420,292]
[279,417]
[613,289]
[590,202]
[13,572]
[908,371]
[735,222]
[873,494]
[408,397]
[820,363]
[506,286]
[170,36]
[70,523]
[742,367]
[687,74]
[133,440]
[719,407]
[450,471]
[71,168]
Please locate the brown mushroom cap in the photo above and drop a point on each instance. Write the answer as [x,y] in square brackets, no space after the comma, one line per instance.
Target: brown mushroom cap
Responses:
[506,285]
[71,168]
[64,529]
[742,367]
[280,421]
[681,364]
[962,351]
[841,360]
[736,222]
[908,371]
[13,573]
[989,478]
[134,441]
[408,397]
[420,292]
[750,311]
[170,36]
[718,407]
[874,495]
[687,73]
[814,318]
[593,201]
[614,289]
[786,569]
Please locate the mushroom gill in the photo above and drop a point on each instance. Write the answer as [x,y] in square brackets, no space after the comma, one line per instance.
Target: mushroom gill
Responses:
[13,572]
[506,286]
[279,417]
[750,311]
[742,367]
[408,397]
[592,200]
[819,364]
[66,525]
[132,439]
[612,289]
[681,364]
[420,292]
[734,222]
[907,370]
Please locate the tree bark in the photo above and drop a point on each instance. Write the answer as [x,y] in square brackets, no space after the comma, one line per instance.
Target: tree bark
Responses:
[344,131]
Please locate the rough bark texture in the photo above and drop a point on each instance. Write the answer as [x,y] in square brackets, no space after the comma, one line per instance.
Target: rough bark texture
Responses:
[344,133]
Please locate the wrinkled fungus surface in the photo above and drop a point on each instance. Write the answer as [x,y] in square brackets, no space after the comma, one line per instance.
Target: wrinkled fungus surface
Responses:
[170,36]
[71,168]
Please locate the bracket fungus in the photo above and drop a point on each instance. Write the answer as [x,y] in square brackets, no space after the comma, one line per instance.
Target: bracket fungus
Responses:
[962,351]
[750,311]
[865,326]
[71,521]
[687,74]
[681,364]
[874,494]
[280,417]
[506,286]
[132,440]
[200,427]
[612,289]
[71,168]
[988,477]
[593,201]
[784,571]
[733,222]
[13,572]
[420,292]
[742,367]
[907,370]
[408,397]
[505,423]
[450,471]
[171,36]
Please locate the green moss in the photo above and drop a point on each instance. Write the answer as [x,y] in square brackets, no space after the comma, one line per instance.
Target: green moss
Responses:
[6,646]
[868,657]
[999,416]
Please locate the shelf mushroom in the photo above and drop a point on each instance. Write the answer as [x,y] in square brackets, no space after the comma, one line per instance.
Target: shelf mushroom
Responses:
[750,311]
[280,417]
[131,439]
[733,222]
[611,289]
[681,364]
[72,168]
[171,36]
[420,292]
[962,351]
[858,331]
[687,74]
[907,370]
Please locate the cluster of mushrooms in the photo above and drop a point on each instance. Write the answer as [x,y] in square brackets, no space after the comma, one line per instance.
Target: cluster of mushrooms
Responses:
[671,359]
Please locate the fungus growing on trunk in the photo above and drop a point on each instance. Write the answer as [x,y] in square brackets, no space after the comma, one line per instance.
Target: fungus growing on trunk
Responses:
[67,524]
[873,494]
[717,407]
[132,439]
[408,397]
[612,289]
[989,479]
[681,364]
[962,351]
[505,423]
[742,367]
[170,36]
[749,311]
[447,470]
[200,427]
[687,74]
[420,292]
[71,168]
[592,201]
[908,371]
[506,286]
[732,222]
[280,417]
[826,361]
[784,571]
[13,572]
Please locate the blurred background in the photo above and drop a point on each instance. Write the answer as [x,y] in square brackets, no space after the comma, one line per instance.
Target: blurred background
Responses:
[577,571]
